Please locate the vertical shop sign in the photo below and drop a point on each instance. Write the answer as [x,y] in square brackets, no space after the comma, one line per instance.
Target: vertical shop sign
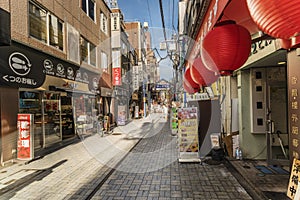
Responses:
[25,137]
[116,68]
[188,135]
[292,191]
[117,76]
[293,107]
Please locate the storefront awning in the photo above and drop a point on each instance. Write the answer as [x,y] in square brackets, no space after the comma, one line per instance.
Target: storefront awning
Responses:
[59,84]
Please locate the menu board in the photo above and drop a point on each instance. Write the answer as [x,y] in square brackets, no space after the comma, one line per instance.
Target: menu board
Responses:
[188,135]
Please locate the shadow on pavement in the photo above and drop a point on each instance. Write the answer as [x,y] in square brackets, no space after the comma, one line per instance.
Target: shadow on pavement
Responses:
[10,191]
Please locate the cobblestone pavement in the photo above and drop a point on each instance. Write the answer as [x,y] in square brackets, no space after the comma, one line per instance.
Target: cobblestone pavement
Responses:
[146,168]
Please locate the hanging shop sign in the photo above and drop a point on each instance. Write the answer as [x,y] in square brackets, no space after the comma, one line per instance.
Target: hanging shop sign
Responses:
[25,137]
[188,135]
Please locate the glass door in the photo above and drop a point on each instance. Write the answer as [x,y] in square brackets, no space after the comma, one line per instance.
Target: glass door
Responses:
[52,118]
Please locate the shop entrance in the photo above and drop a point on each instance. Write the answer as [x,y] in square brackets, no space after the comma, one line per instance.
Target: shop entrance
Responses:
[277,133]
[52,117]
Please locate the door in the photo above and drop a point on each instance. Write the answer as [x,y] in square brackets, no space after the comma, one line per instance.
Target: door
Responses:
[52,118]
[277,134]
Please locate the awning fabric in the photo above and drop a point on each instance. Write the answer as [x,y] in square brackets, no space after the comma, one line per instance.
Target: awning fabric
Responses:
[61,84]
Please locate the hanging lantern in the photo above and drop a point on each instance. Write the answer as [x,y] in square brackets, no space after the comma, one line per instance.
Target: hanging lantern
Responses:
[201,75]
[279,19]
[188,88]
[188,84]
[226,47]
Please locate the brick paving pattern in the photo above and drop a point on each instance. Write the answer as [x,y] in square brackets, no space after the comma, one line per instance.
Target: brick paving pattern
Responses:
[156,174]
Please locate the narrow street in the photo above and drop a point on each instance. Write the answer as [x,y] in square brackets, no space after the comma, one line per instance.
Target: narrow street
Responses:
[137,161]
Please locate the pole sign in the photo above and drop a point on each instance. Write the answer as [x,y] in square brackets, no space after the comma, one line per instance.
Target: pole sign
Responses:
[25,137]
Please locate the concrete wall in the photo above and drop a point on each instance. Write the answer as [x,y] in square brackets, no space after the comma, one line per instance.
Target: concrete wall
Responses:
[252,145]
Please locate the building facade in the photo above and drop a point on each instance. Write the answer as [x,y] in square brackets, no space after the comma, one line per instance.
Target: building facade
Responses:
[51,70]
[256,101]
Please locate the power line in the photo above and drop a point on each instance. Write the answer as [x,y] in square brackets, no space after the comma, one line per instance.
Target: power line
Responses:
[162,19]
[149,13]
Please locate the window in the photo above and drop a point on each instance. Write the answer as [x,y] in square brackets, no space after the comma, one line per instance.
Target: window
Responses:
[45,27]
[87,52]
[55,32]
[104,61]
[88,6]
[103,23]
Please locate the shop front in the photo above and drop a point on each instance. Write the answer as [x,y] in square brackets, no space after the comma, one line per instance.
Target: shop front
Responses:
[20,68]
[59,95]
[105,99]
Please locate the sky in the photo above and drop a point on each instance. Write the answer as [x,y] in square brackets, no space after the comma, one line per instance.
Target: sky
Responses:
[149,11]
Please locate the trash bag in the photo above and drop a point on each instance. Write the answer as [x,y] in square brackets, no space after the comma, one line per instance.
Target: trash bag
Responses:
[217,154]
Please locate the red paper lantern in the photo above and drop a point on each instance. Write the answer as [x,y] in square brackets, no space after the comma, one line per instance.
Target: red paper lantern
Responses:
[279,19]
[188,88]
[226,47]
[188,84]
[201,75]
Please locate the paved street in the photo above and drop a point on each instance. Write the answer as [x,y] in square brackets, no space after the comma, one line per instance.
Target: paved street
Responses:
[120,166]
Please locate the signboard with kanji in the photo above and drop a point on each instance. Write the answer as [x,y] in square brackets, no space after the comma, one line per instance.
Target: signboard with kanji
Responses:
[188,135]
[293,104]
[25,137]
[294,179]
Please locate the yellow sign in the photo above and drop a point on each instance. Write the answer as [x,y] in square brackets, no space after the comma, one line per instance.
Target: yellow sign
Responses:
[294,179]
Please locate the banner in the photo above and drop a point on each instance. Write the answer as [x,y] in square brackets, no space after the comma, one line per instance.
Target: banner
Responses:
[25,137]
[121,115]
[188,135]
